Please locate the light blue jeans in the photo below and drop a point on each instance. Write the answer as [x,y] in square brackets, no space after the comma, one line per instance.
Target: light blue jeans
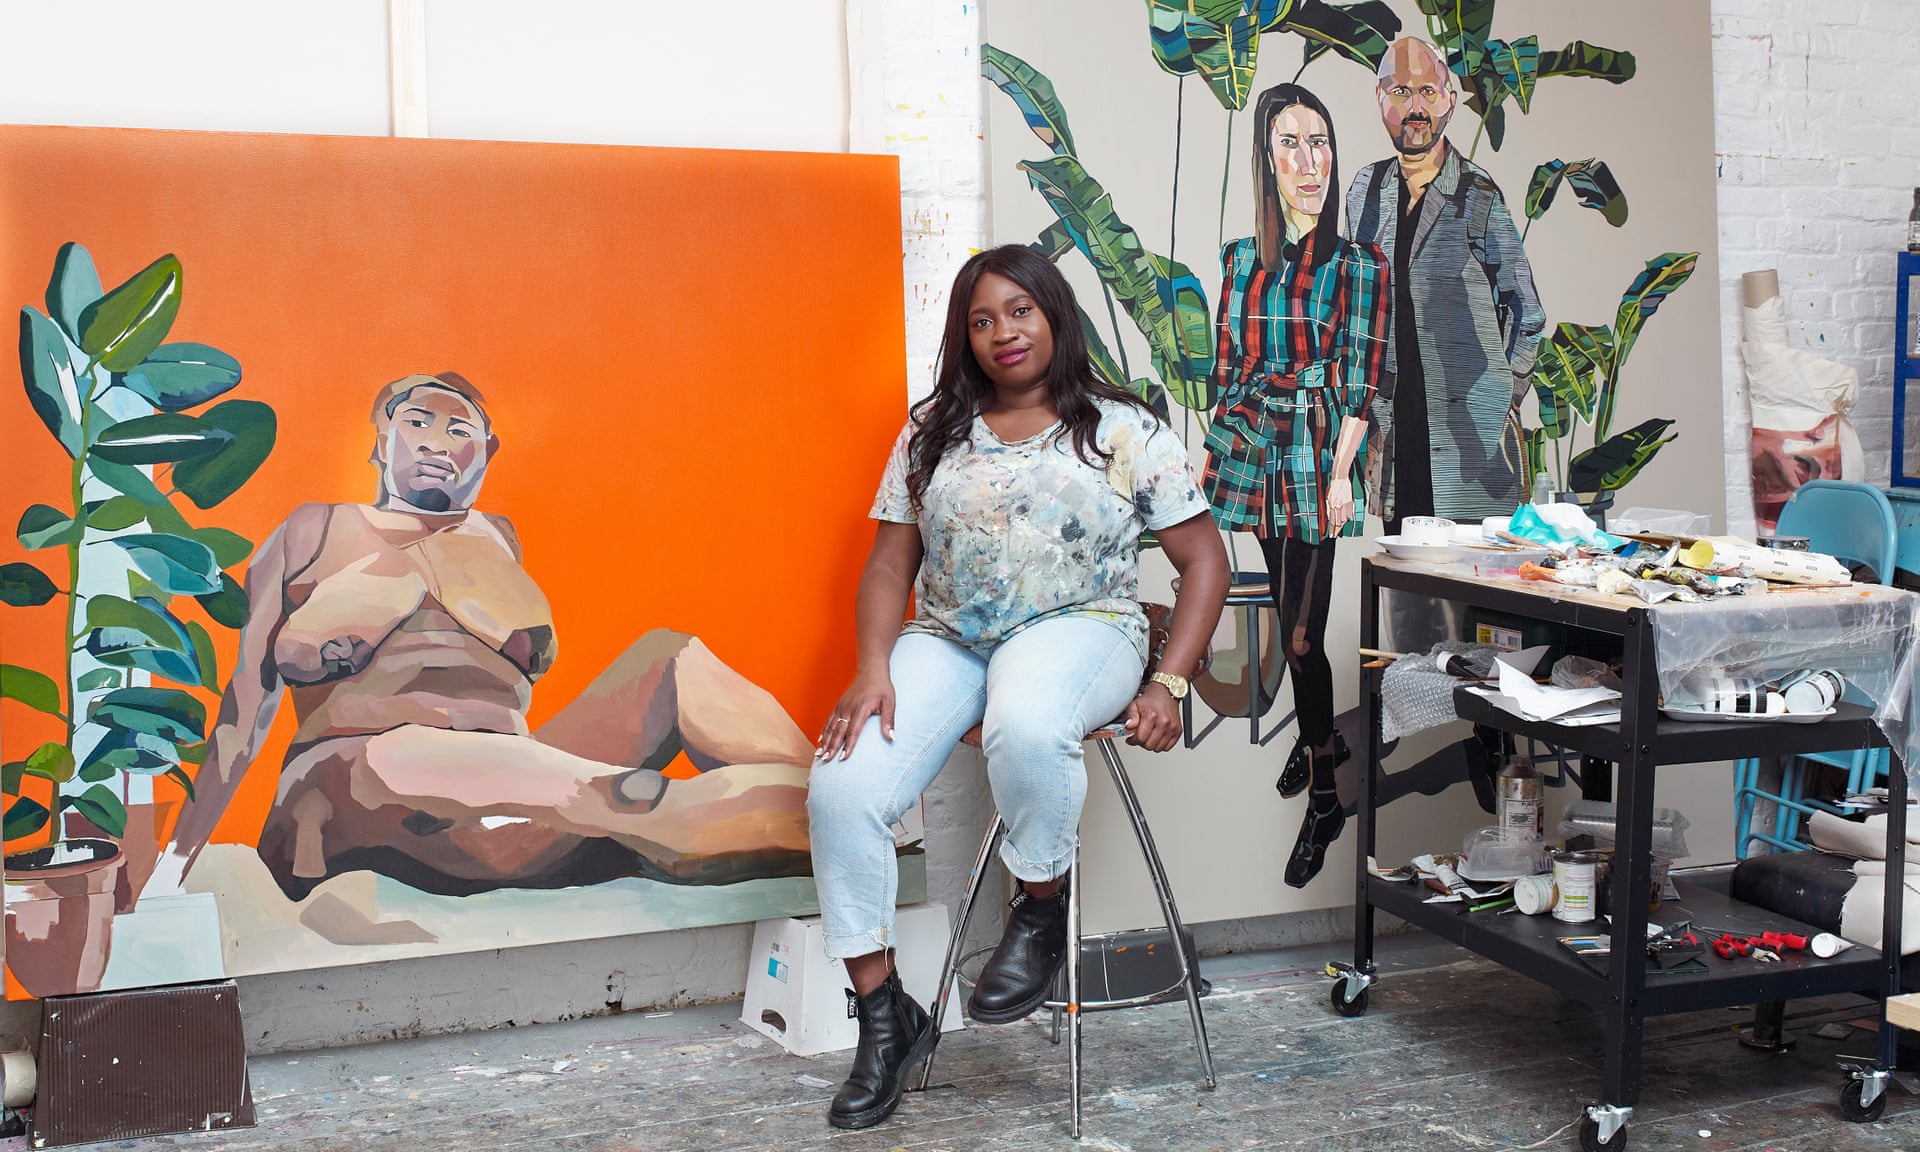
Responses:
[1037,694]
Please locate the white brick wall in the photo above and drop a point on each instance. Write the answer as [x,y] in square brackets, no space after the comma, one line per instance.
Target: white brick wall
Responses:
[1818,155]
[1817,140]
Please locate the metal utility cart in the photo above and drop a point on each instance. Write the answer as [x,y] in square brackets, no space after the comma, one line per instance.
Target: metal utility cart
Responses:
[1641,744]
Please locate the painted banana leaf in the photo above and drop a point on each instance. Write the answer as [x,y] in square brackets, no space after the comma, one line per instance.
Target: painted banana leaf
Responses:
[1534,445]
[1516,64]
[1643,298]
[1359,32]
[1556,413]
[1609,465]
[1583,59]
[1162,296]
[1573,367]
[1591,180]
[1032,93]
[1054,242]
[1219,39]
[1463,28]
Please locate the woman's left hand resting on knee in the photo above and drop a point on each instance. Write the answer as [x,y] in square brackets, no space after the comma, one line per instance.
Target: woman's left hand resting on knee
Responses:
[885,586]
[1153,719]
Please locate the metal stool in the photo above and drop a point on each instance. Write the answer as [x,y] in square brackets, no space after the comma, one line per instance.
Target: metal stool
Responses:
[1073,1006]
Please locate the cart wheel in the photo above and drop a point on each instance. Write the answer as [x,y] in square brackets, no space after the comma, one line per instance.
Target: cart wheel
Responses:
[1853,1110]
[1590,1138]
[1354,1007]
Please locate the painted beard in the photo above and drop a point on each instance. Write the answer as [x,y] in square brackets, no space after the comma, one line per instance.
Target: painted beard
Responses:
[1403,143]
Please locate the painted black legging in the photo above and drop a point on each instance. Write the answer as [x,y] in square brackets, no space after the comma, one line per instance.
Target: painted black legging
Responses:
[1301,577]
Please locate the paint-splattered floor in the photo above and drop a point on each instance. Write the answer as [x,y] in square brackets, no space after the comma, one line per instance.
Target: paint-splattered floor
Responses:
[1453,1054]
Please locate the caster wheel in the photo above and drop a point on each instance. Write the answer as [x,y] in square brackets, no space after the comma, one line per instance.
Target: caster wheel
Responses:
[1590,1138]
[1853,1110]
[1354,1007]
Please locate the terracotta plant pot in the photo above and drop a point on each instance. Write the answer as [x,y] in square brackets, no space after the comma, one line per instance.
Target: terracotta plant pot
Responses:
[140,847]
[60,915]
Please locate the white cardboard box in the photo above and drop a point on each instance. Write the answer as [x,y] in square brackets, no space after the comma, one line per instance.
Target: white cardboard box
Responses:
[798,996]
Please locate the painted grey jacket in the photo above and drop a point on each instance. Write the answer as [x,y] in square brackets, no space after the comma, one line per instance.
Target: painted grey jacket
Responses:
[1479,321]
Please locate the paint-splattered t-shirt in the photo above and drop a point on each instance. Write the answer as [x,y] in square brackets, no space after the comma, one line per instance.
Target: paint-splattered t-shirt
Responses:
[1023,532]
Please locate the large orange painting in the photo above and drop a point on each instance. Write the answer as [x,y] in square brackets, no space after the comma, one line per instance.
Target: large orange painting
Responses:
[422,546]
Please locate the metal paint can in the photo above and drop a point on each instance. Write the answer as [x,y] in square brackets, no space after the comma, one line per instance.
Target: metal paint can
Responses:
[1574,881]
[1517,800]
[1534,894]
[1786,543]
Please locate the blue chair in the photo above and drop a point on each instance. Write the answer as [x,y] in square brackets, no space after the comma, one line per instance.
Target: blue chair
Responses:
[1853,522]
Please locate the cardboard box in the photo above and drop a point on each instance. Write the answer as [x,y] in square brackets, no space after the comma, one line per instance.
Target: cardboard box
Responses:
[799,997]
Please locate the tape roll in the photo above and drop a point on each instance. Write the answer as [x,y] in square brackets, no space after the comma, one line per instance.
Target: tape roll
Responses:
[18,1079]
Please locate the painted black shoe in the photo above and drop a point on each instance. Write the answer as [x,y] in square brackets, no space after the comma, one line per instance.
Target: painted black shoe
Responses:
[896,1036]
[1019,974]
[1325,819]
[1298,772]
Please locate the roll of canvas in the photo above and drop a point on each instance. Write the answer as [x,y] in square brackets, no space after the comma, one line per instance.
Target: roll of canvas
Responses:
[18,1079]
[1767,563]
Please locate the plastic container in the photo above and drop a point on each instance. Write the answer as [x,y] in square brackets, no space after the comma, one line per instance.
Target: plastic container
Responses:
[1488,854]
[1595,818]
[1665,521]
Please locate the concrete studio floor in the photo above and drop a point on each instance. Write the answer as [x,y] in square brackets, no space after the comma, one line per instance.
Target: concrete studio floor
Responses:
[1454,1053]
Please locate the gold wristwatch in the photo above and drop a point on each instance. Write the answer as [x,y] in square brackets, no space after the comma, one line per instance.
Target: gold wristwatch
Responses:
[1176,686]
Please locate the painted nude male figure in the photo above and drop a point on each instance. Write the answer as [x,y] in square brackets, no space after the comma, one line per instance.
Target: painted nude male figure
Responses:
[409,637]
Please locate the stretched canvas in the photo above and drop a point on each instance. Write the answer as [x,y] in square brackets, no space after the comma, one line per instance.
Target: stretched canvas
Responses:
[423,546]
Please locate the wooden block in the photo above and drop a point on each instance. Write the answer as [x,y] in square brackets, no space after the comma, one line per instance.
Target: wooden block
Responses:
[1904,1011]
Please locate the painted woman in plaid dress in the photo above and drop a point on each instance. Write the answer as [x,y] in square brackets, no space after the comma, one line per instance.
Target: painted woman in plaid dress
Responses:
[1304,316]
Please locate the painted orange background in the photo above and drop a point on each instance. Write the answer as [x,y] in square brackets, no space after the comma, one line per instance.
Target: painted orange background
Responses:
[694,360]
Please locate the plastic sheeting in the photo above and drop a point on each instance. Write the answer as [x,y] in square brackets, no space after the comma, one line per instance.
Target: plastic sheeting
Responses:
[1867,633]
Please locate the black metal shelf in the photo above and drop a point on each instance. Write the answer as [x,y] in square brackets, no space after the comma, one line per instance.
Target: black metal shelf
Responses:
[1530,945]
[1688,742]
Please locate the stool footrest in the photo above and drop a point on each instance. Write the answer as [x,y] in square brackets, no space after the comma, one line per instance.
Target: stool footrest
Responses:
[1171,992]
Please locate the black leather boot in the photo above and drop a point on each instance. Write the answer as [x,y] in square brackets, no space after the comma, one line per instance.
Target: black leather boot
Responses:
[1325,819]
[1298,772]
[896,1036]
[1019,974]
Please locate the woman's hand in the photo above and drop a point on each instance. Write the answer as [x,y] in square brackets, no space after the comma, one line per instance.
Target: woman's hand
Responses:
[871,693]
[1339,503]
[1153,719]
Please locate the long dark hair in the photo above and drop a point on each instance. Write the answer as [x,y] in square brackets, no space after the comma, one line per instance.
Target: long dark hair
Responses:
[1269,222]
[946,418]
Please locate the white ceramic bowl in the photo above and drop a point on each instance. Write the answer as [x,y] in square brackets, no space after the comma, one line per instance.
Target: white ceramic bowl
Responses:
[1406,550]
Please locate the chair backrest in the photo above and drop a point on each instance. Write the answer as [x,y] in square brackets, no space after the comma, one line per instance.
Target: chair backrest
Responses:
[1841,518]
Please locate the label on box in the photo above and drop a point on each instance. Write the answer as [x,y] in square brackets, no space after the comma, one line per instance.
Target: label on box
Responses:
[1505,639]
[777,969]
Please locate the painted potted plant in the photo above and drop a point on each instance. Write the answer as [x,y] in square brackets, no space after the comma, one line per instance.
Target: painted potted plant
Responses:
[1577,383]
[125,704]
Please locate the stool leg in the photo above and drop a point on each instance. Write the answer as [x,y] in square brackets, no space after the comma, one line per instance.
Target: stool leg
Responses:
[1073,983]
[949,968]
[1189,969]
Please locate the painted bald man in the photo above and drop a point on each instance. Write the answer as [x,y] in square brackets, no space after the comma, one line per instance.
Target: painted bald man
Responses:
[410,637]
[1467,321]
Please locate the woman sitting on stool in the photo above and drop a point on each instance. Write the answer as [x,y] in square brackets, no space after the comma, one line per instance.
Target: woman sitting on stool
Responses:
[1017,494]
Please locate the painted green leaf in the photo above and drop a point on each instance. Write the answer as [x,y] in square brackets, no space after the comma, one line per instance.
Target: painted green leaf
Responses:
[116,514]
[24,586]
[1573,365]
[1103,361]
[99,805]
[36,690]
[1582,59]
[1162,296]
[43,526]
[1359,32]
[127,750]
[1590,179]
[1496,126]
[1464,27]
[123,327]
[179,776]
[127,480]
[1219,39]
[24,817]
[193,753]
[1609,465]
[11,774]
[74,285]
[1032,93]
[209,659]
[1535,446]
[125,648]
[227,607]
[99,678]
[165,712]
[178,564]
[106,611]
[51,761]
[176,376]
[1643,298]
[229,548]
[48,374]
[160,439]
[1517,65]
[1054,241]
[251,427]
[143,589]
[1556,413]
